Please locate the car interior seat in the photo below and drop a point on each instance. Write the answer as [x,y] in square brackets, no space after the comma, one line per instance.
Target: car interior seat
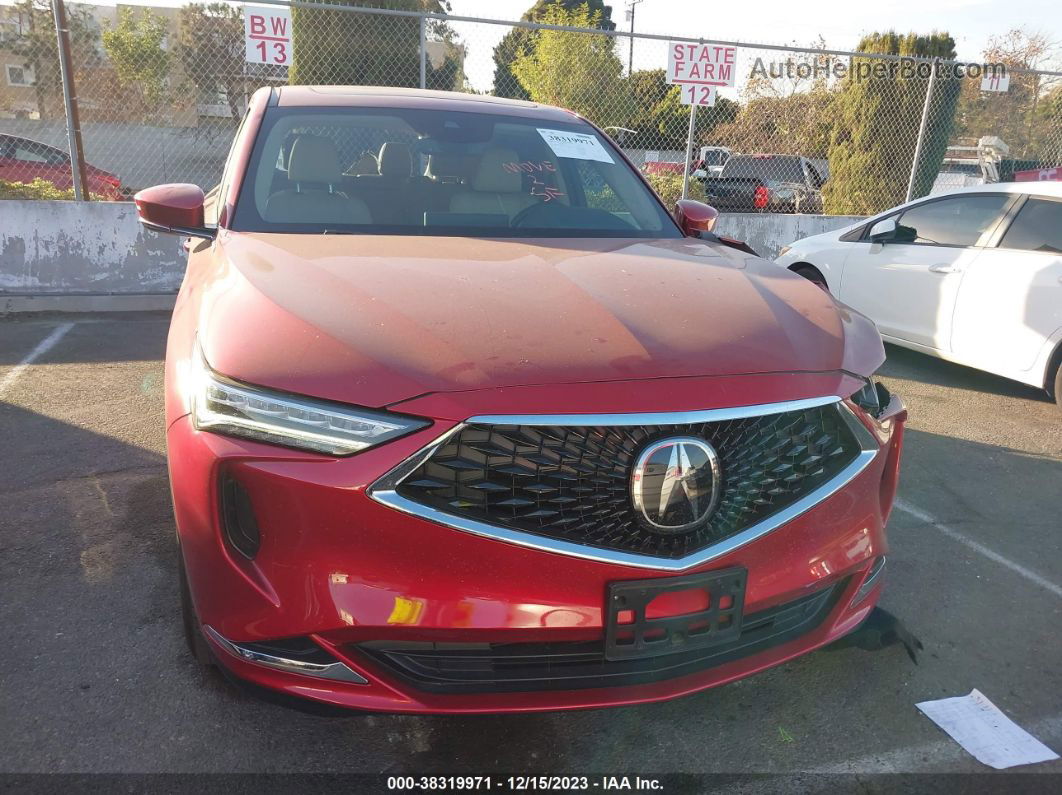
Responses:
[315,175]
[494,189]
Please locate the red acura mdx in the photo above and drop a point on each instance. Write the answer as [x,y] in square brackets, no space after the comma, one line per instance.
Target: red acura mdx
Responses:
[462,419]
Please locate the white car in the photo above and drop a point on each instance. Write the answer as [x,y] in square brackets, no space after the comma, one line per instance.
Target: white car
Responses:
[973,276]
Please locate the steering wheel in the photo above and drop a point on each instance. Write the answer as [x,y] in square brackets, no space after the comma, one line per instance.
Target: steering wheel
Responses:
[519,220]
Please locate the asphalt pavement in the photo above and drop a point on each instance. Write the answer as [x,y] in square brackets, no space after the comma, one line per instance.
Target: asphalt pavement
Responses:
[95,677]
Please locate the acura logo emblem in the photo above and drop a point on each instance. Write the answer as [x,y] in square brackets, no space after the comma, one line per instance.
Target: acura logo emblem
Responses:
[675,484]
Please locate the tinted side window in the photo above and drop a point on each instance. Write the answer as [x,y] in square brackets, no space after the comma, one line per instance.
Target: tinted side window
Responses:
[783,168]
[950,222]
[1038,227]
[33,152]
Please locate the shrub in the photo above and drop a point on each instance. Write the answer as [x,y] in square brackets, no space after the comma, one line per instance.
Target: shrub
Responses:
[669,187]
[38,189]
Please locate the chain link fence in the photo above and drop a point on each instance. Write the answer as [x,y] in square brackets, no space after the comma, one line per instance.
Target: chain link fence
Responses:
[161,89]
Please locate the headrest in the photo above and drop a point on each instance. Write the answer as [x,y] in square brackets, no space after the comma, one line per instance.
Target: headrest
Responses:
[314,159]
[493,177]
[396,160]
[366,165]
[445,166]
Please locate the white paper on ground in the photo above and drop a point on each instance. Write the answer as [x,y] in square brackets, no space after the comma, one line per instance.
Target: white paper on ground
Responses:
[581,146]
[985,732]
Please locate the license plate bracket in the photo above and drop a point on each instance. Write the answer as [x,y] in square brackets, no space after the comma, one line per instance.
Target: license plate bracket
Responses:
[630,634]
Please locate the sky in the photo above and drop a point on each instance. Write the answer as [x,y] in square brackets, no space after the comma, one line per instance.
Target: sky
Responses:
[840,23]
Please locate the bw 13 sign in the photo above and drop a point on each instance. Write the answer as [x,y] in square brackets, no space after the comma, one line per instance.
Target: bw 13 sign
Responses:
[267,35]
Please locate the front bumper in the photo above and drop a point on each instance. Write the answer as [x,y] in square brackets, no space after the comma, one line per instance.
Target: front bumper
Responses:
[357,576]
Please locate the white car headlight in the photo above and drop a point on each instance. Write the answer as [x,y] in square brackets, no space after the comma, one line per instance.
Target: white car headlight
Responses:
[784,251]
[227,407]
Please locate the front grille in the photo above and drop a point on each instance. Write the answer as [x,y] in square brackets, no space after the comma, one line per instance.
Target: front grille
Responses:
[516,667]
[573,483]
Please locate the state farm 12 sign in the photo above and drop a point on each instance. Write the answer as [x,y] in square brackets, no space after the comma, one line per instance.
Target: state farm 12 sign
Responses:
[700,70]
[267,35]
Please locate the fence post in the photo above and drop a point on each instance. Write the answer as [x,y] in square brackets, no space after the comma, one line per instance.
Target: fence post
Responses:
[423,52]
[922,131]
[73,124]
[689,151]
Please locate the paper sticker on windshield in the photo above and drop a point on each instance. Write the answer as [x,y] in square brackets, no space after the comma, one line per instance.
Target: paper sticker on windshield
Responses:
[579,146]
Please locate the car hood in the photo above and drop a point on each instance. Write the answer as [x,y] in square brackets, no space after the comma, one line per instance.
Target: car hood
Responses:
[374,320]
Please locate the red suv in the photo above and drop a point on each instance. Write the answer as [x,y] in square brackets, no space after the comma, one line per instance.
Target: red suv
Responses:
[461,419]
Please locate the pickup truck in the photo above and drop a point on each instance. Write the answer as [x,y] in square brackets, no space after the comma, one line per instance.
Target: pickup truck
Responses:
[766,184]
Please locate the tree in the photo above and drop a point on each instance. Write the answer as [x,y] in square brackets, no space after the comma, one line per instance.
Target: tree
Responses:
[135,49]
[1048,120]
[707,123]
[520,41]
[577,71]
[450,74]
[211,50]
[658,124]
[1013,115]
[347,48]
[661,121]
[798,124]
[37,48]
[788,108]
[877,120]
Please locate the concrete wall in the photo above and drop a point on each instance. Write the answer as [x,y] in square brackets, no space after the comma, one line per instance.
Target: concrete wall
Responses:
[767,232]
[97,248]
[59,247]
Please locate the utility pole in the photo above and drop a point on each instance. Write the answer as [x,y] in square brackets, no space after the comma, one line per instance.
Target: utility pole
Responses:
[73,123]
[631,5]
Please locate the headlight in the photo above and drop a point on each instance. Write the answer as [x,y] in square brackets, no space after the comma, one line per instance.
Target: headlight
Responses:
[784,250]
[873,398]
[235,409]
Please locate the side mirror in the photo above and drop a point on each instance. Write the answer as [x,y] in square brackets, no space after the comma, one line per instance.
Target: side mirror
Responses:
[176,208]
[883,231]
[694,217]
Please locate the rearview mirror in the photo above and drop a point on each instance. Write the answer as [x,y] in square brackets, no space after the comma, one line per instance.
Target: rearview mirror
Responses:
[694,217]
[883,231]
[175,208]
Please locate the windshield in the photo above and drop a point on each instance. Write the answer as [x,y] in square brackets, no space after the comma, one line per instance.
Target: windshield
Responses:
[427,172]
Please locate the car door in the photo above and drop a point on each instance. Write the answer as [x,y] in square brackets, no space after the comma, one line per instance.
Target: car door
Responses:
[907,280]
[1010,298]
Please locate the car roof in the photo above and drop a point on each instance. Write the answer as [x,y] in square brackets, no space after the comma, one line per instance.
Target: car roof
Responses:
[387,97]
[1042,188]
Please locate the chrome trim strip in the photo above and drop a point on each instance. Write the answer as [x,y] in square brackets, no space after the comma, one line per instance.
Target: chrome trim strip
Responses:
[383,491]
[337,670]
[653,418]
[876,572]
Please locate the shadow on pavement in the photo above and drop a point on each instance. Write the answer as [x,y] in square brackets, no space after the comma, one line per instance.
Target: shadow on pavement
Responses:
[911,365]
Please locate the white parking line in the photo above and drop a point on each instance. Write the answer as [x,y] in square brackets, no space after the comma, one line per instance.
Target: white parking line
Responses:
[42,348]
[955,535]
